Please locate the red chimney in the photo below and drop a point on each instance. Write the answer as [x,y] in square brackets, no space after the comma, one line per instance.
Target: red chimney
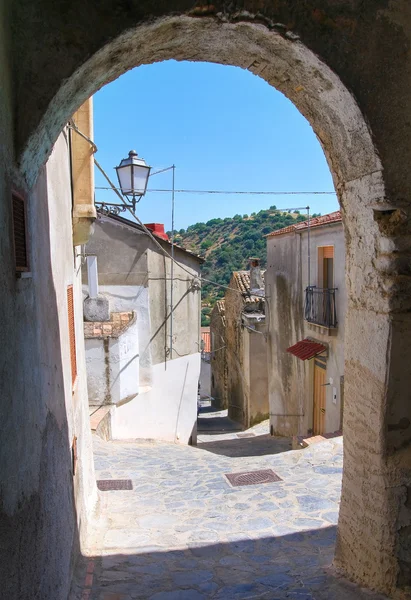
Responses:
[158,230]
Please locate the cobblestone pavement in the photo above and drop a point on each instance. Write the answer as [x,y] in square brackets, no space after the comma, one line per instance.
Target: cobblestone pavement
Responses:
[218,434]
[183,533]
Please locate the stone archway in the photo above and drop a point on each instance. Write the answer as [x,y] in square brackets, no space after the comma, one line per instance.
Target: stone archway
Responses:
[375,517]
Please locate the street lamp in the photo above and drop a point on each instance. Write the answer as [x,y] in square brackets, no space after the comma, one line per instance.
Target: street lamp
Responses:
[133,173]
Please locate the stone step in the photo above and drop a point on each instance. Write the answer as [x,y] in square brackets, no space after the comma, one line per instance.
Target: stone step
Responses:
[300,441]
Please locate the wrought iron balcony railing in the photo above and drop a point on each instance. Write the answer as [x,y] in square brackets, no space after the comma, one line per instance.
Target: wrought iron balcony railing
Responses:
[320,306]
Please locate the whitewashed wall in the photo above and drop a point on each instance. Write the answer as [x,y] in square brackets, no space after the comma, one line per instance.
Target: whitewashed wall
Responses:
[168,410]
[113,368]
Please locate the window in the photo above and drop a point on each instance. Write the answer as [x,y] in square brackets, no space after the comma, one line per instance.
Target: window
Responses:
[72,334]
[320,299]
[20,233]
[326,267]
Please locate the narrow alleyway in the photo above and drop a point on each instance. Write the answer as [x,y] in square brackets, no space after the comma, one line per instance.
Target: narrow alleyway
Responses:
[184,533]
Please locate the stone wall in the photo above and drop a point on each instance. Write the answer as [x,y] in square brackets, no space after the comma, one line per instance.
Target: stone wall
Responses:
[258,373]
[237,382]
[218,356]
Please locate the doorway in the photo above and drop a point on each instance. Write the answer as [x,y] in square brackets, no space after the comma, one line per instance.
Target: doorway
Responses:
[320,366]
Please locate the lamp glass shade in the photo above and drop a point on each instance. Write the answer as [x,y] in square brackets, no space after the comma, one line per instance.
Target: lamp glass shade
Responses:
[133,174]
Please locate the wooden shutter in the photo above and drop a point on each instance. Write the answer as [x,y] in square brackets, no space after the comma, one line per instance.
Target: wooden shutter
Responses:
[20,233]
[328,251]
[72,333]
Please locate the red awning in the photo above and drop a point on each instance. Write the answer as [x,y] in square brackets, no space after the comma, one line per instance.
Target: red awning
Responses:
[306,349]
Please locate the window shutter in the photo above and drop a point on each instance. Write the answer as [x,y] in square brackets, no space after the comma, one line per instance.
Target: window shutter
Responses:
[72,333]
[328,251]
[20,233]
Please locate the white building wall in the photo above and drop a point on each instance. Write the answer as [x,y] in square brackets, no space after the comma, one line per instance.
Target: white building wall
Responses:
[113,368]
[168,410]
[46,505]
[157,398]
[66,270]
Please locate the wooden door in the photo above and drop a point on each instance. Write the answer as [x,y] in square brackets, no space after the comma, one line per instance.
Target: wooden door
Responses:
[319,396]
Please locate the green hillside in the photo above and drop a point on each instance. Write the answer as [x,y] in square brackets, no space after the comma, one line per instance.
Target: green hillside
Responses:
[226,244]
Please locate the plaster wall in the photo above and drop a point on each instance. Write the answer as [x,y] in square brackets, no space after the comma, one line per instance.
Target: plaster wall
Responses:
[128,261]
[113,368]
[285,322]
[290,379]
[45,507]
[258,375]
[185,326]
[205,377]
[327,236]
[168,410]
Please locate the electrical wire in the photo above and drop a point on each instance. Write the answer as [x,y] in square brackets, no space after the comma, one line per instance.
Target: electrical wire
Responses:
[73,126]
[149,233]
[228,192]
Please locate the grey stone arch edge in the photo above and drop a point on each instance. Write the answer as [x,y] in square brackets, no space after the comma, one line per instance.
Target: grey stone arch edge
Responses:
[374,517]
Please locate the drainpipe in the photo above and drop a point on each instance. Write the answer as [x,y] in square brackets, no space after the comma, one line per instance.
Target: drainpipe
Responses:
[172,264]
[309,246]
[92,276]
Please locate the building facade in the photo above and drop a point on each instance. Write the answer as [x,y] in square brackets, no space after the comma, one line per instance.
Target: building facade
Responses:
[143,357]
[305,281]
[240,374]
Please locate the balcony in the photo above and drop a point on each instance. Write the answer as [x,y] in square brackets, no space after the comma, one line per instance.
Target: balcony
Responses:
[320,307]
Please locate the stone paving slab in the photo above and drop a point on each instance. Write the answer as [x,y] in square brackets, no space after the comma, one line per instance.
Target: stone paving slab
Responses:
[183,533]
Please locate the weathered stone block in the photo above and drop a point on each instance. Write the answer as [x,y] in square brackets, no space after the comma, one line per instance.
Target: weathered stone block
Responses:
[96,309]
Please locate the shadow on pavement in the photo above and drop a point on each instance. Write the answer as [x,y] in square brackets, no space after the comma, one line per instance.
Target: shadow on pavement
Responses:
[217,425]
[293,566]
[256,446]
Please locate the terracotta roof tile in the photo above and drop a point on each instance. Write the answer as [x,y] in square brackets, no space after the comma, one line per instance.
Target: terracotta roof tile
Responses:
[206,338]
[221,306]
[306,349]
[118,323]
[242,281]
[334,217]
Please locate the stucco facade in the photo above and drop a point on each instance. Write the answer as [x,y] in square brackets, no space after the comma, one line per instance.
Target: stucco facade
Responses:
[150,384]
[291,380]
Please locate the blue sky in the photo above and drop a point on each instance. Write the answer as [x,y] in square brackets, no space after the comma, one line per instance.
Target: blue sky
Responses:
[223,128]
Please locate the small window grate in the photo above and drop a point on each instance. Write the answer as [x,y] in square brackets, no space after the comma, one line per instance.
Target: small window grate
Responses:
[20,233]
[72,333]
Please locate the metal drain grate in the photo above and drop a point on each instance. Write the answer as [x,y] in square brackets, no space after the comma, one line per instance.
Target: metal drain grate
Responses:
[108,485]
[245,435]
[252,477]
